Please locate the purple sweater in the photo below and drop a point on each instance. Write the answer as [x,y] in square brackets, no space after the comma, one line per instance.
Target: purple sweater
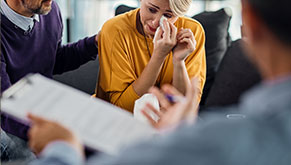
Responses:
[39,51]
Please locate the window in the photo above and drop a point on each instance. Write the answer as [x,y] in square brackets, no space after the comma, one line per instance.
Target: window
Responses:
[86,17]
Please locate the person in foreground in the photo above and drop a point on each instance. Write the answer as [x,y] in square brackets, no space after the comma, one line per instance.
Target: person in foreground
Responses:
[31,42]
[138,50]
[262,138]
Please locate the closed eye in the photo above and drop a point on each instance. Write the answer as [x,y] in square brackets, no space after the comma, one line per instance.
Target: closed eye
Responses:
[152,10]
[168,15]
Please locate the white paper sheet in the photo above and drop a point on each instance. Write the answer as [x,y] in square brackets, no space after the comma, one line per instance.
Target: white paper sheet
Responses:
[99,124]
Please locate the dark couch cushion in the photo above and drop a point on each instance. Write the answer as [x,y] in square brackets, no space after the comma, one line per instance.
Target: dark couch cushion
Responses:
[235,75]
[122,9]
[216,26]
[83,78]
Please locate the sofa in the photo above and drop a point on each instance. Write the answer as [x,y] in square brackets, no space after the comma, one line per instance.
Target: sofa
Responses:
[229,72]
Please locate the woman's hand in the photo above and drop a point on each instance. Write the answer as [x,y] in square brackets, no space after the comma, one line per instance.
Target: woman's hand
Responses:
[186,44]
[172,114]
[164,41]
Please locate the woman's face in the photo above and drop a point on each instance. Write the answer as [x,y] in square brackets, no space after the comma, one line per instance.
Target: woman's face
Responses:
[151,12]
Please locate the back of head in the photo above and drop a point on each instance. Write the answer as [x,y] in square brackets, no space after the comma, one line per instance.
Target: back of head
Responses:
[276,14]
[179,7]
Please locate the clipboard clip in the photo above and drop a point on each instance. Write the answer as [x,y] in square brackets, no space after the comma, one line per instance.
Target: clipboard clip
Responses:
[19,86]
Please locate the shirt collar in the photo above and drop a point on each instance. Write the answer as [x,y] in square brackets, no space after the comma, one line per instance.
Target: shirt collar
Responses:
[25,23]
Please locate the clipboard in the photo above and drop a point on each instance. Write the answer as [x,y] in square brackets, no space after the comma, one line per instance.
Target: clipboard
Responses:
[101,126]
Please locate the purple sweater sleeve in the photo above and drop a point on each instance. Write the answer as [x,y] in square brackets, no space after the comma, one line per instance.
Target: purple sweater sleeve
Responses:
[71,56]
[5,80]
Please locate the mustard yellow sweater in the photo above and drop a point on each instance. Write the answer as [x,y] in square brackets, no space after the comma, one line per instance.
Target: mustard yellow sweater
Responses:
[123,55]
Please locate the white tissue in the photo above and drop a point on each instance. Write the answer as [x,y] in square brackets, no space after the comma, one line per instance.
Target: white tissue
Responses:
[154,40]
[140,104]
[161,22]
[161,25]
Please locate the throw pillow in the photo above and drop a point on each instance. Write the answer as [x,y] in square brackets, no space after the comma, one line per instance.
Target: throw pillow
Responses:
[122,9]
[236,74]
[216,26]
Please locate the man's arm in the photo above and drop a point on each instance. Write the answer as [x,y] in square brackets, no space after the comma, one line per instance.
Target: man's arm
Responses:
[71,56]
[59,152]
[5,80]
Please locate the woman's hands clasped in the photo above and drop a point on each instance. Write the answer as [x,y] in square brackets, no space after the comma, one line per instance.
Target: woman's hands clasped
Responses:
[182,43]
[165,40]
[186,44]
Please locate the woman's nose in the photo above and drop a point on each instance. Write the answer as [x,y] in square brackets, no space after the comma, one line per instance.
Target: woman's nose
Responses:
[156,21]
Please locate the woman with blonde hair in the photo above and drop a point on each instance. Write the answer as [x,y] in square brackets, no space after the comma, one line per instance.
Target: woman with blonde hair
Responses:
[138,50]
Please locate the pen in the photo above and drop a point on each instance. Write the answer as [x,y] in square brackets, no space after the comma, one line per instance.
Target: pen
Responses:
[174,99]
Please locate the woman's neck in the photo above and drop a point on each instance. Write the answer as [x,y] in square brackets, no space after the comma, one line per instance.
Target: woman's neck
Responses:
[139,26]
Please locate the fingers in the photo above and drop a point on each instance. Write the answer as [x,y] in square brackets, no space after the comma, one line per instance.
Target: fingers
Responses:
[36,119]
[186,40]
[158,34]
[185,33]
[149,118]
[30,132]
[32,135]
[154,110]
[161,97]
[170,32]
[163,110]
[149,111]
[169,89]
[190,42]
[173,32]
[167,31]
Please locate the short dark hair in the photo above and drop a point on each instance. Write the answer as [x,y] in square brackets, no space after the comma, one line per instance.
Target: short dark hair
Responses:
[277,16]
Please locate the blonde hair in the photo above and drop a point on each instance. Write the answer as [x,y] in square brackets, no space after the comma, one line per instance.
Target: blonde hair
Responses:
[179,7]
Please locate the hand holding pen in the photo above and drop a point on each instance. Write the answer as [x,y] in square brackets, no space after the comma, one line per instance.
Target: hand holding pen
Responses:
[174,106]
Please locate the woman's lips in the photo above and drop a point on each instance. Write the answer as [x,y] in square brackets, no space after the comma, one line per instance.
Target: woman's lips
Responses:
[152,29]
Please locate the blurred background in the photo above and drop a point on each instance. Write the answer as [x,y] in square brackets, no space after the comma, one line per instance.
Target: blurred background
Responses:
[85,17]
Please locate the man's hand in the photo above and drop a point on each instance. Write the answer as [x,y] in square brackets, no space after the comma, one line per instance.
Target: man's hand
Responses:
[172,114]
[43,132]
